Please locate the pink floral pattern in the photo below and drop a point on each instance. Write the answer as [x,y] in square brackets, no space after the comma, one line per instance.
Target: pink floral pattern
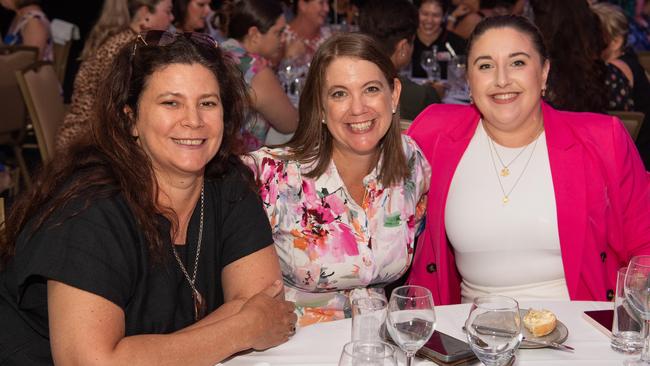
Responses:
[327,243]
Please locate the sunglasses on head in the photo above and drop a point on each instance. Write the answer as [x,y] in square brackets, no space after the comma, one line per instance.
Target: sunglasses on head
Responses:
[163,38]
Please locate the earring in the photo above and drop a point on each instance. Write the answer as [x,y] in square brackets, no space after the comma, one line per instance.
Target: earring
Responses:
[393,110]
[323,121]
[544,91]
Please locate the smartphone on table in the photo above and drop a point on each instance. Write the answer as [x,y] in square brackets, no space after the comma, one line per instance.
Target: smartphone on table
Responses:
[445,348]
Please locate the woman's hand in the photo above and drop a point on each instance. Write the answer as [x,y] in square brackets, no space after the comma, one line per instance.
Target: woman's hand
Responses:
[272,317]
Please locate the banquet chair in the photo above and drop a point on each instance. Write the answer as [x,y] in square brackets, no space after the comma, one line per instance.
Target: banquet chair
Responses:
[44,99]
[632,121]
[61,53]
[13,120]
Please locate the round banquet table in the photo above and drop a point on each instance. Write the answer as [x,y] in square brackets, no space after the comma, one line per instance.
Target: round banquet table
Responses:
[321,344]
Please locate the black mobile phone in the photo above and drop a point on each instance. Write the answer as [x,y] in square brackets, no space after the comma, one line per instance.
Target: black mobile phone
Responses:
[446,348]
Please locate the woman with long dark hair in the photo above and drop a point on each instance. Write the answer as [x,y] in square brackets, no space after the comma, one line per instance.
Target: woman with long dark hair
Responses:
[137,247]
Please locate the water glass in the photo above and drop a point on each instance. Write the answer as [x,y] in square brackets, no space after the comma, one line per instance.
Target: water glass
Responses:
[366,353]
[637,294]
[411,318]
[626,328]
[456,71]
[494,329]
[429,63]
[368,315]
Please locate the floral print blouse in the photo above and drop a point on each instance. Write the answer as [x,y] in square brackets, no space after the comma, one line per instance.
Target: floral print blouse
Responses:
[250,64]
[330,246]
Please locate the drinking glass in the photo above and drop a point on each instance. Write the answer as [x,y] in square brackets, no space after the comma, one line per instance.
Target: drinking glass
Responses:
[637,293]
[368,315]
[494,329]
[367,353]
[411,318]
[430,64]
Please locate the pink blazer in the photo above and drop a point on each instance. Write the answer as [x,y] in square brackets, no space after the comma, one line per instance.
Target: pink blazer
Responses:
[602,195]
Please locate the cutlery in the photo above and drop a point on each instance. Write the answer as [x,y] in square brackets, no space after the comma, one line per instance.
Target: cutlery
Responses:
[502,332]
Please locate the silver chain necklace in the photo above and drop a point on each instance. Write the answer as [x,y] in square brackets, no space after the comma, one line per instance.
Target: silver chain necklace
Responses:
[200,307]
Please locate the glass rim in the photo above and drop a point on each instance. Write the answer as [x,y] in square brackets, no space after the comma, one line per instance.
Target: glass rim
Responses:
[387,346]
[508,298]
[638,257]
[427,292]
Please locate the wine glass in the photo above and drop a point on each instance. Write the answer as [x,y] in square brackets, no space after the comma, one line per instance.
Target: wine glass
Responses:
[411,318]
[637,293]
[367,353]
[494,329]
[430,64]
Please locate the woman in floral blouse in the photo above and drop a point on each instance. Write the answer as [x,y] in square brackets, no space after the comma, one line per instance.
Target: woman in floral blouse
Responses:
[254,28]
[346,195]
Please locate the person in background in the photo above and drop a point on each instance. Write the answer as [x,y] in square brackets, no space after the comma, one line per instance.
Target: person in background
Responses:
[119,23]
[254,28]
[575,45]
[136,248]
[191,15]
[527,201]
[30,27]
[433,32]
[306,31]
[393,24]
[466,15]
[621,56]
[345,196]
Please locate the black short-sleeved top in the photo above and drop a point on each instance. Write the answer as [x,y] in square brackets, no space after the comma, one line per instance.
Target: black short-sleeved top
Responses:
[102,251]
[455,41]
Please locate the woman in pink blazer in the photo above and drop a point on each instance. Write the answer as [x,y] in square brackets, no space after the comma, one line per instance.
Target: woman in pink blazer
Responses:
[525,200]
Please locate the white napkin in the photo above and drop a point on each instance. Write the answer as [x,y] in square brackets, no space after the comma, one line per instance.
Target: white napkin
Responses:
[63,31]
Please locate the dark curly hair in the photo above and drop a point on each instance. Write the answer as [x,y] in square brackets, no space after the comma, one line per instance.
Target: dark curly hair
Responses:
[111,162]
[572,32]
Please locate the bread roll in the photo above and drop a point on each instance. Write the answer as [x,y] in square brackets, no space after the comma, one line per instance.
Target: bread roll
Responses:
[540,322]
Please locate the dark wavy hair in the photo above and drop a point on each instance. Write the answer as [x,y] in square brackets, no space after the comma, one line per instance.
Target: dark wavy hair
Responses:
[389,21]
[312,142]
[112,162]
[237,17]
[573,34]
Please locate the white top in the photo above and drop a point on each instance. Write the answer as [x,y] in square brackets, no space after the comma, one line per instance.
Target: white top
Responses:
[509,248]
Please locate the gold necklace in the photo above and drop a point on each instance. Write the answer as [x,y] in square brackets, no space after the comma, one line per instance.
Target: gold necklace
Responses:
[506,195]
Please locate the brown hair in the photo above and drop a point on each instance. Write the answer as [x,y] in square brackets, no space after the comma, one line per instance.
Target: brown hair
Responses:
[312,142]
[116,16]
[613,22]
[113,162]
[237,17]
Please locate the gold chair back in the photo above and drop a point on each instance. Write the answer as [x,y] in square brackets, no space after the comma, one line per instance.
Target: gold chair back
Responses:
[61,53]
[632,121]
[13,120]
[644,60]
[44,99]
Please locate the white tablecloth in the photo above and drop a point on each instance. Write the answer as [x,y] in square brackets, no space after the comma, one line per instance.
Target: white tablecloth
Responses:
[321,344]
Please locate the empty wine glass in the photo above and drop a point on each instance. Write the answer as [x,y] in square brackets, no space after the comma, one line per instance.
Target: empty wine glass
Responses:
[429,62]
[411,318]
[637,293]
[494,329]
[367,353]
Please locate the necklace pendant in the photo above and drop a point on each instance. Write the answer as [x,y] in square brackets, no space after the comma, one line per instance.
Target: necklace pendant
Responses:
[505,171]
[200,307]
[506,199]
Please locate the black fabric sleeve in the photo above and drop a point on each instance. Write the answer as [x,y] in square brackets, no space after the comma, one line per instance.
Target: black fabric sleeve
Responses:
[95,251]
[245,226]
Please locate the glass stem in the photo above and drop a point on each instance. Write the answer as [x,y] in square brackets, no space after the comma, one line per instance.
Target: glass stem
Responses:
[645,354]
[409,358]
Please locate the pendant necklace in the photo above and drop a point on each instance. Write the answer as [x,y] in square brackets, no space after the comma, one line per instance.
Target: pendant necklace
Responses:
[491,145]
[200,307]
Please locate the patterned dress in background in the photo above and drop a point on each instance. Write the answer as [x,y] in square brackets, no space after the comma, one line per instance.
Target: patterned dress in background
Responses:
[92,70]
[250,64]
[332,248]
[620,90]
[311,45]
